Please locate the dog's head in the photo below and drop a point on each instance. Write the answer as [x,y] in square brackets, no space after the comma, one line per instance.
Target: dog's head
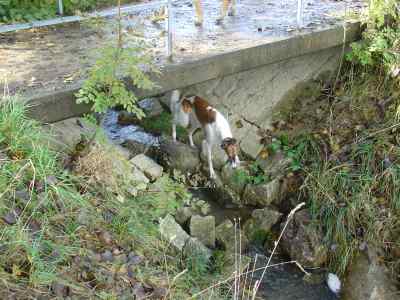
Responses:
[187,103]
[230,146]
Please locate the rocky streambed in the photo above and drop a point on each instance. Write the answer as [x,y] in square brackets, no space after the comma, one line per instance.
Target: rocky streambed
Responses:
[250,204]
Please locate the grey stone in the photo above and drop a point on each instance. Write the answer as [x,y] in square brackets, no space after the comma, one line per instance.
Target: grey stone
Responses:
[173,233]
[194,248]
[303,241]
[107,256]
[229,267]
[66,134]
[261,220]
[275,165]
[203,228]
[151,107]
[148,166]
[263,194]
[225,235]
[134,147]
[180,156]
[11,217]
[22,195]
[60,290]
[231,177]
[368,279]
[183,214]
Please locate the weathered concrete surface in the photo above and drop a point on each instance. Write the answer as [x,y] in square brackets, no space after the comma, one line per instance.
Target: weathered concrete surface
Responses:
[249,97]
[282,55]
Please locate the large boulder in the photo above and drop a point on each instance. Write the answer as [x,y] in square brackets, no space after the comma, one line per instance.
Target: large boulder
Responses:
[203,228]
[66,134]
[225,235]
[261,221]
[173,233]
[369,280]
[148,166]
[192,207]
[262,195]
[302,241]
[180,156]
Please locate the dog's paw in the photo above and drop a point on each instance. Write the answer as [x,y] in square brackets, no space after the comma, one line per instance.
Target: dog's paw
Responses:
[231,13]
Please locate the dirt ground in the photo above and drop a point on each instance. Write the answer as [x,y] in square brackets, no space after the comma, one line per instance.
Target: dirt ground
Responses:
[53,58]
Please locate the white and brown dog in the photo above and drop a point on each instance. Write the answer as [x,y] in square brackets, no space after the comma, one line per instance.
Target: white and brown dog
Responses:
[193,113]
[226,4]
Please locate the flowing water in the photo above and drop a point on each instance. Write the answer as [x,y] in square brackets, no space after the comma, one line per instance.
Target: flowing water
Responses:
[283,282]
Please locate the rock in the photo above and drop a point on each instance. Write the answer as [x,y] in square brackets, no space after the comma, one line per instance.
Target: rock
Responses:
[232,177]
[51,180]
[12,217]
[275,165]
[225,235]
[367,279]
[138,176]
[127,118]
[263,194]
[107,256]
[261,221]
[183,214]
[148,166]
[180,156]
[23,196]
[203,228]
[159,293]
[105,237]
[228,264]
[134,259]
[65,135]
[172,232]
[224,193]
[60,290]
[194,248]
[134,147]
[303,242]
[151,107]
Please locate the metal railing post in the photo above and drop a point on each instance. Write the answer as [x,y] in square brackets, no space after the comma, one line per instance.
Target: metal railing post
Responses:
[169,29]
[60,7]
[300,8]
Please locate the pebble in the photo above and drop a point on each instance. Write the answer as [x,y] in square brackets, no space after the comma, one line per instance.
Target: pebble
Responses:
[22,195]
[107,256]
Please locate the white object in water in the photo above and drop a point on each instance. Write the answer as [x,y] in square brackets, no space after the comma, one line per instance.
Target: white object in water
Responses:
[333,283]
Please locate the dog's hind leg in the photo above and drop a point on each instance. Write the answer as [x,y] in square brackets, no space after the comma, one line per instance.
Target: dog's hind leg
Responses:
[174,132]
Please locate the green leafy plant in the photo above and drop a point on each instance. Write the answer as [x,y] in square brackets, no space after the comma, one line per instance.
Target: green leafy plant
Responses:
[253,175]
[125,59]
[380,46]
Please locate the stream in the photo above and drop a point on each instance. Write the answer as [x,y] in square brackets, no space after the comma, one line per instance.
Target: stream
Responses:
[283,282]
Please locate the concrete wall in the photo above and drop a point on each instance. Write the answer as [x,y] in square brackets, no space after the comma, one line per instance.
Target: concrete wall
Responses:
[249,98]
[245,84]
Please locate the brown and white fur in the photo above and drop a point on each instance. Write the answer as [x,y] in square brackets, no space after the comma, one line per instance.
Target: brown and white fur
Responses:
[226,4]
[195,112]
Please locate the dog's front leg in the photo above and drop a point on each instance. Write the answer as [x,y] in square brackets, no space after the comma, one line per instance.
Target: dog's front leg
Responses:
[232,10]
[209,157]
[174,132]
[199,13]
